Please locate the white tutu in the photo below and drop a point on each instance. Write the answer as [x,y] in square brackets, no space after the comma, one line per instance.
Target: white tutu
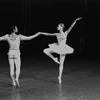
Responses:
[61,49]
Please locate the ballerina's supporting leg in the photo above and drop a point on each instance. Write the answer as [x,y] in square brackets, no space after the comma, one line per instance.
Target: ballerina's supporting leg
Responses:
[62,58]
[48,52]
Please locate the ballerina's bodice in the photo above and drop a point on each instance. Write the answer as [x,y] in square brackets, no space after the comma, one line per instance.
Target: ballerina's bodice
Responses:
[61,39]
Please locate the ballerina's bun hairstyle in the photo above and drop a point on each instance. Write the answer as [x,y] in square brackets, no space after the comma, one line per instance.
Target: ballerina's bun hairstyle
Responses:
[62,25]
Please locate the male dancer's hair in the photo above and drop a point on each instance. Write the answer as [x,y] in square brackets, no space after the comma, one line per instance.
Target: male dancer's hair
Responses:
[13,27]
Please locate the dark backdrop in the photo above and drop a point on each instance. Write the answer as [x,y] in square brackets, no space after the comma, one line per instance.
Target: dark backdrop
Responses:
[32,16]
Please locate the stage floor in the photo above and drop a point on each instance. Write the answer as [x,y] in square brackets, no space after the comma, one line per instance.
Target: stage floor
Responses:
[38,80]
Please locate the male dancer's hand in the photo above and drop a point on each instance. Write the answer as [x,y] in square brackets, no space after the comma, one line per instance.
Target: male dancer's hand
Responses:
[39,33]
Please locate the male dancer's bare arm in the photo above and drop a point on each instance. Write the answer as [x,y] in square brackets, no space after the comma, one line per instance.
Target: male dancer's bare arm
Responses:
[70,28]
[3,37]
[29,37]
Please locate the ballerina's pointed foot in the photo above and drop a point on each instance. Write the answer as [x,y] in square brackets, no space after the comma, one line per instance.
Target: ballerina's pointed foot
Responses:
[59,79]
[56,60]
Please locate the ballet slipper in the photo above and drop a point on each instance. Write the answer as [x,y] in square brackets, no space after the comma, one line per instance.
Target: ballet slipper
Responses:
[56,60]
[59,79]
[17,83]
[14,83]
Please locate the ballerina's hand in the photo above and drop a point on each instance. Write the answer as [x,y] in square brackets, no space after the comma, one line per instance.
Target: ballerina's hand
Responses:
[39,33]
[79,18]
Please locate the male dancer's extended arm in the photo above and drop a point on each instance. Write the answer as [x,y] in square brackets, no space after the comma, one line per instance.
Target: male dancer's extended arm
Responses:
[29,37]
[3,37]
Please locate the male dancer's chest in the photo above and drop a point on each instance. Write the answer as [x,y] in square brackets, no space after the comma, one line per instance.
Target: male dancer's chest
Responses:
[13,40]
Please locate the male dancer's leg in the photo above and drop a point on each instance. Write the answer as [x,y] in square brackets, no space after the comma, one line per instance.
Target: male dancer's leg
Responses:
[17,64]
[11,63]
[49,52]
[62,58]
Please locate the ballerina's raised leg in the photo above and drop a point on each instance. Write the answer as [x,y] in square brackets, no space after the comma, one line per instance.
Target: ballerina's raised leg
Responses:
[49,52]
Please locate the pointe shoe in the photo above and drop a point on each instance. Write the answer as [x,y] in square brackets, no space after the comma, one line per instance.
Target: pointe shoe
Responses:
[56,60]
[59,79]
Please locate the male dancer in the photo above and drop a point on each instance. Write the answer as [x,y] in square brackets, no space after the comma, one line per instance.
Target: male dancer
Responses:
[61,47]
[14,52]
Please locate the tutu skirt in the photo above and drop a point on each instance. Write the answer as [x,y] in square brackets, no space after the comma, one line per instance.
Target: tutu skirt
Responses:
[61,49]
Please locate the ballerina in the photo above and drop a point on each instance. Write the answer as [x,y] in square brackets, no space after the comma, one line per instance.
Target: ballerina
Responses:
[13,40]
[60,47]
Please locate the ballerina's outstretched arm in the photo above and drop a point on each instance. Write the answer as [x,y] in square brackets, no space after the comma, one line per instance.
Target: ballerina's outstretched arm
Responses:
[70,28]
[47,34]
